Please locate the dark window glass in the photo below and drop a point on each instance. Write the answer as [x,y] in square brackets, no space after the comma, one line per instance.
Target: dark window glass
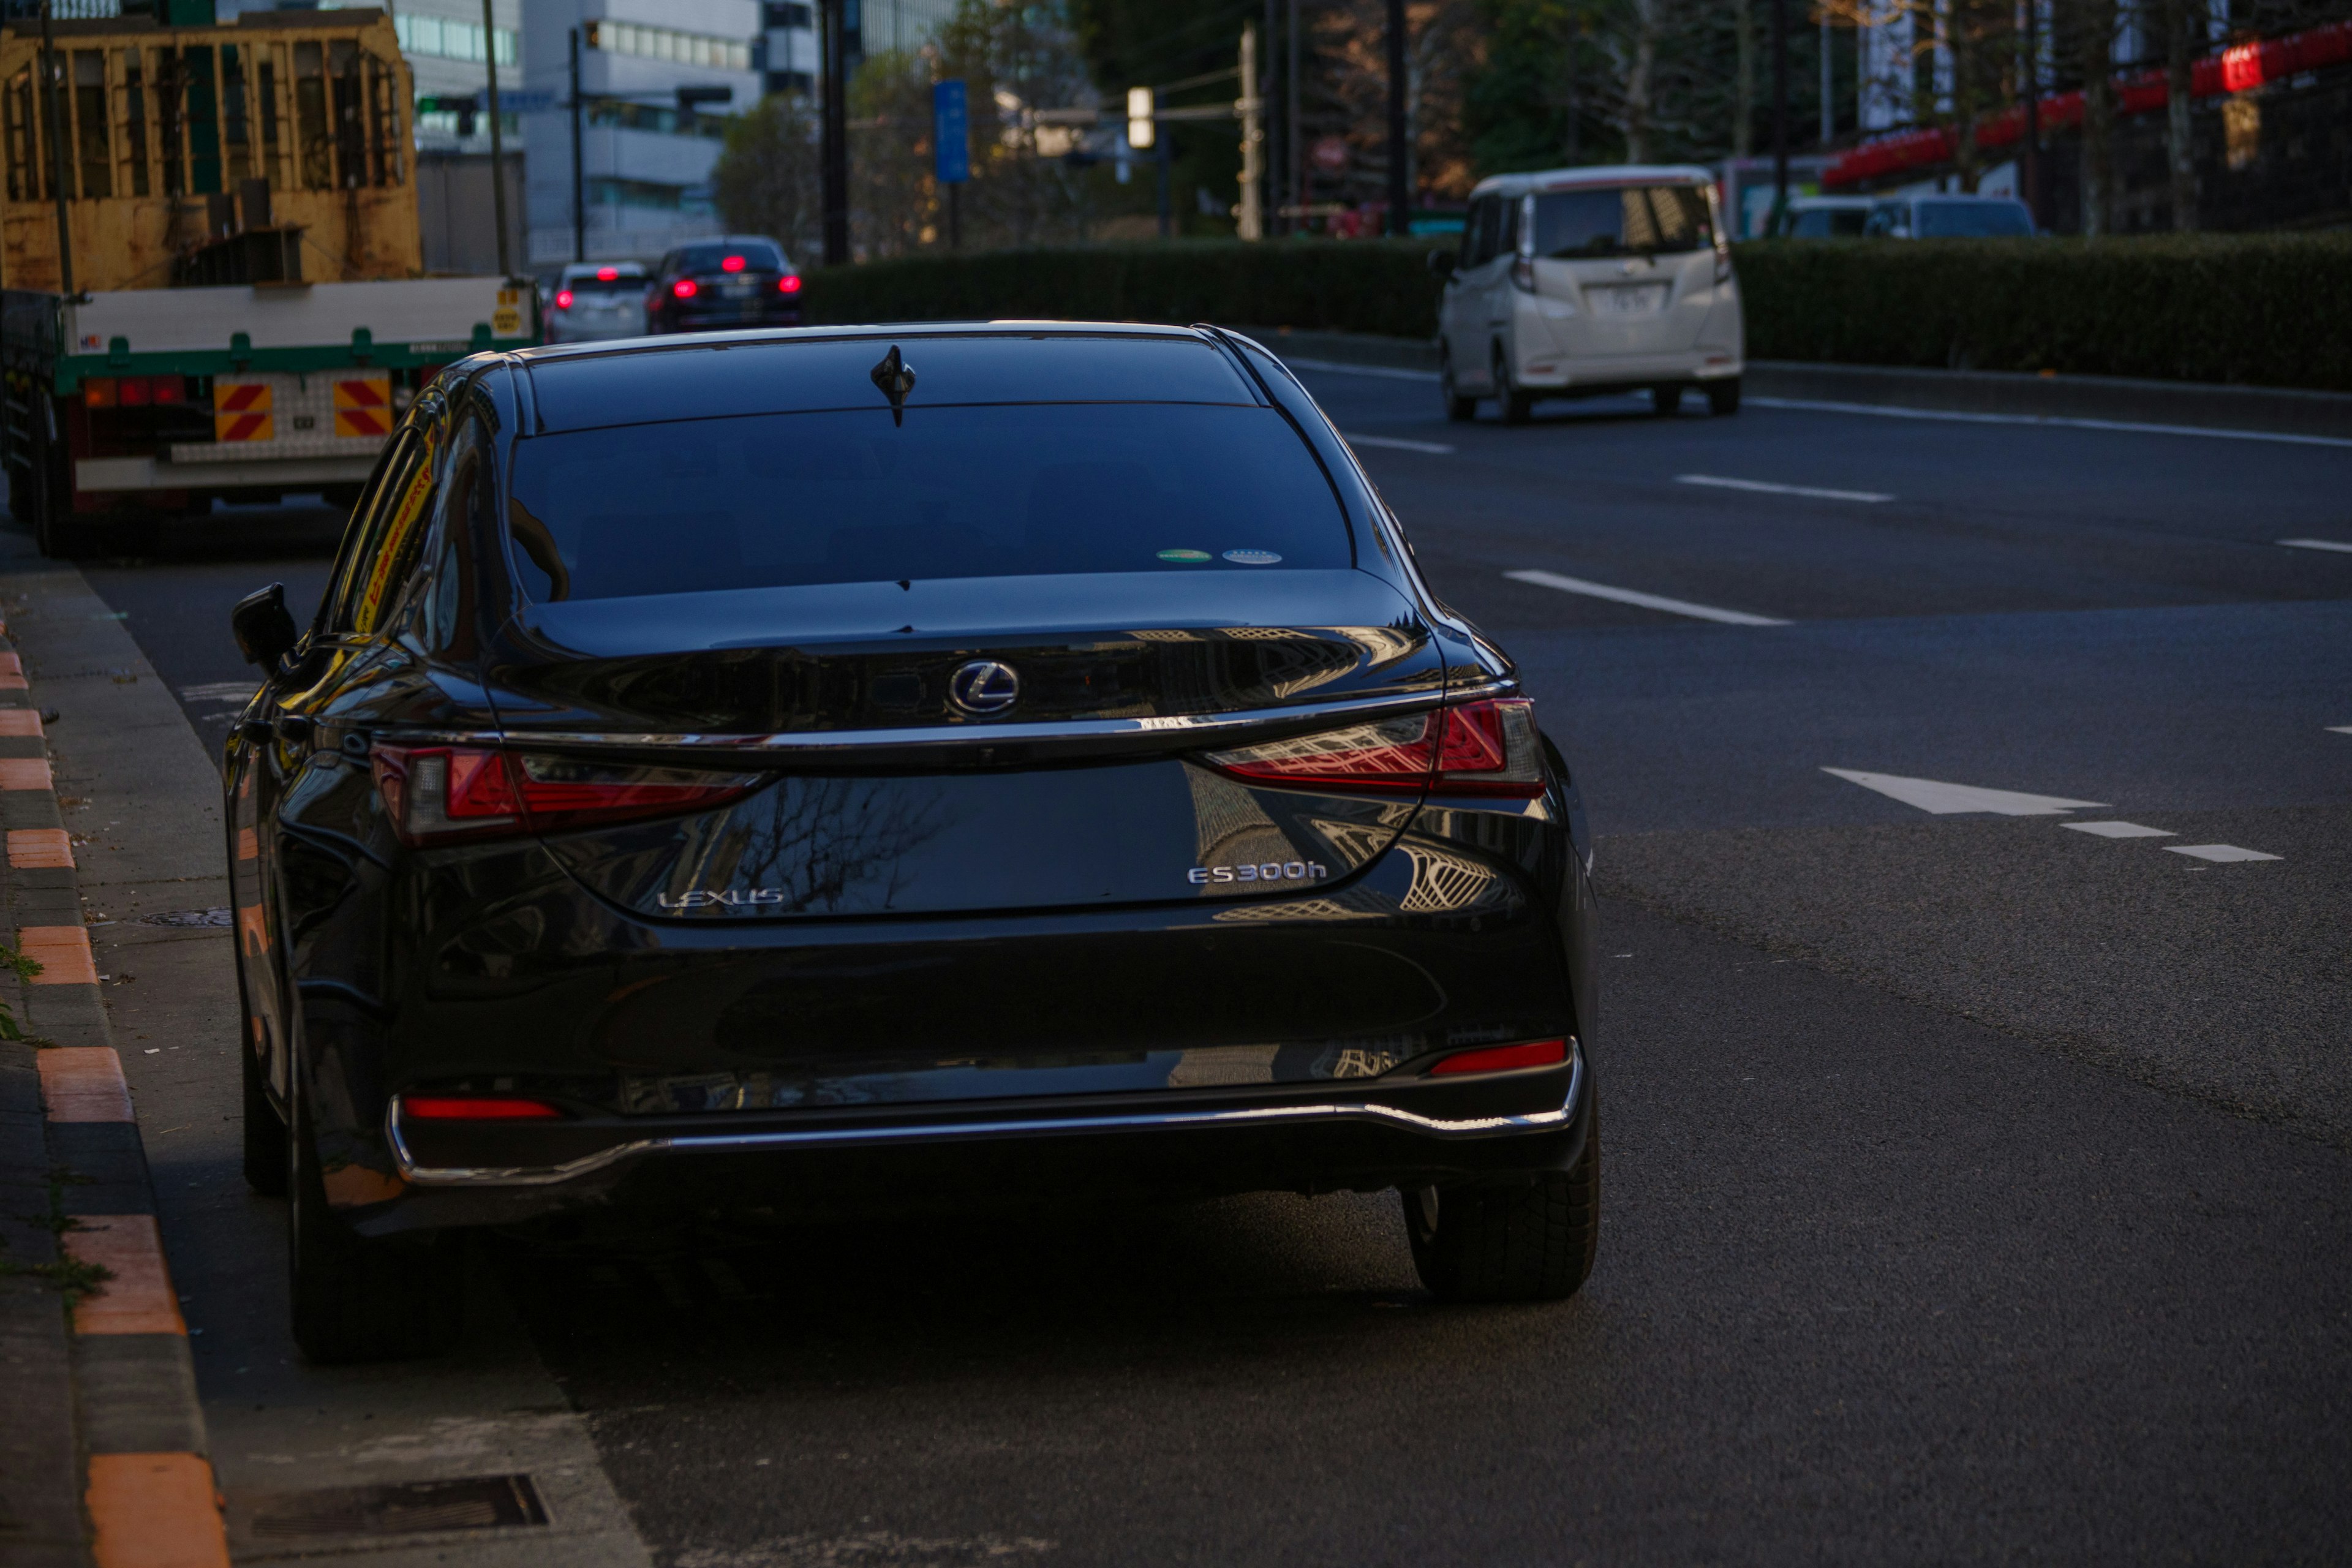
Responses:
[1826,222]
[1507,243]
[1628,220]
[1972,220]
[630,283]
[776,500]
[380,546]
[758,256]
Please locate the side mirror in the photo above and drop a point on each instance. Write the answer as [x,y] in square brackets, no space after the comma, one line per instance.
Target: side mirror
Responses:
[265,631]
[1442,263]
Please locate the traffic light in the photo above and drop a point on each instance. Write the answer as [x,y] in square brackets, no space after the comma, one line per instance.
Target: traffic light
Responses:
[1140,127]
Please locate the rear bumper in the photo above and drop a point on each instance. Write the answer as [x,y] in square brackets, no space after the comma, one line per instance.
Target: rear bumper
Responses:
[1627,372]
[1373,1138]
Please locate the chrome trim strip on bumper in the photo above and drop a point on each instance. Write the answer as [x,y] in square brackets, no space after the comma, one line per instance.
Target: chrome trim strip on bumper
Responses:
[819,744]
[957,1131]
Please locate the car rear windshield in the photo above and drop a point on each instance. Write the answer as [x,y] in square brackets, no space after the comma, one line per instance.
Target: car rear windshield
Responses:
[752,256]
[1972,220]
[1621,220]
[788,499]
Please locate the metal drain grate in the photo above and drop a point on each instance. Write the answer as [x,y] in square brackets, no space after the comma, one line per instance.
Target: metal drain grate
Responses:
[479,1502]
[189,917]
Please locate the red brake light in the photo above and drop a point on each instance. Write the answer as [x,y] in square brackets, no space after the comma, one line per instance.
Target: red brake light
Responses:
[168,389]
[684,289]
[606,274]
[135,392]
[436,793]
[475,1108]
[1505,1058]
[789,284]
[731,264]
[564,299]
[1479,748]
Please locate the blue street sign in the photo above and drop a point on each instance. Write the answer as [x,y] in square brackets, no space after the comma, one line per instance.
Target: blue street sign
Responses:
[951,133]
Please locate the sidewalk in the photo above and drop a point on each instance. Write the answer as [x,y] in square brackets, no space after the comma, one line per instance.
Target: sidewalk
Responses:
[474,1460]
[105,1453]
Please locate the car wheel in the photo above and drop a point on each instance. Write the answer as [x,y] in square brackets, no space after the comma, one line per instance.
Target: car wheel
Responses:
[1458,408]
[1524,1242]
[1665,401]
[1516,403]
[1723,396]
[265,1130]
[357,1298]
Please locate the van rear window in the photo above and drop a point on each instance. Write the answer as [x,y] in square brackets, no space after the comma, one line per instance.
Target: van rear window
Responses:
[790,500]
[1624,220]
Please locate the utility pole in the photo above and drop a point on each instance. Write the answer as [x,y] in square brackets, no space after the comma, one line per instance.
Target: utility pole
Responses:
[1779,114]
[498,143]
[1265,89]
[50,112]
[1400,191]
[1829,114]
[2029,157]
[579,176]
[835,139]
[1250,222]
[1294,156]
[1166,146]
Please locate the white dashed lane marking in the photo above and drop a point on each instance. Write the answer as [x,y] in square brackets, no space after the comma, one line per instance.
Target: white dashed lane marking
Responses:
[1646,601]
[2342,547]
[2120,829]
[1717,482]
[1435,448]
[2220,852]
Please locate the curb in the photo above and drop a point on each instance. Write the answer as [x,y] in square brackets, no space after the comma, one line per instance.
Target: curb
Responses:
[2275,411]
[134,1454]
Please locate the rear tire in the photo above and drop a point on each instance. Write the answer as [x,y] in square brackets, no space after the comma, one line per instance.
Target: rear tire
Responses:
[1665,401]
[1530,1243]
[1516,405]
[1459,410]
[1723,397]
[357,1298]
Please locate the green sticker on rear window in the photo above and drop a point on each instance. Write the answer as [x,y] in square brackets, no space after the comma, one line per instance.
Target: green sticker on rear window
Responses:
[1184,555]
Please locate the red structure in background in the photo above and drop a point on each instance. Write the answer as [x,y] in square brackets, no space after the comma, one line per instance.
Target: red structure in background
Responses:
[2233,70]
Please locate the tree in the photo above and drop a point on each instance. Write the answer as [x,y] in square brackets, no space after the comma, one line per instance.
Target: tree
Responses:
[769,179]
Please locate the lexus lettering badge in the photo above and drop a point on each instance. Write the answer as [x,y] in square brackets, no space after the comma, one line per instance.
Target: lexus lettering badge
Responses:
[984,687]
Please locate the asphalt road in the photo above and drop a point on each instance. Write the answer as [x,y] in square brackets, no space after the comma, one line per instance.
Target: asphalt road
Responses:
[1977,1188]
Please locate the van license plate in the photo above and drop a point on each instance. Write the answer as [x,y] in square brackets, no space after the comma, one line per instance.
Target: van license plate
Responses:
[1639,299]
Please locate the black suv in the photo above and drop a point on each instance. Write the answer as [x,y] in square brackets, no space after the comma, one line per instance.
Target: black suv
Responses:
[735,280]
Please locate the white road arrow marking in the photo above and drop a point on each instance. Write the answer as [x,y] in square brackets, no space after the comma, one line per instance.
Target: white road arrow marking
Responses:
[1942,799]
[2340,546]
[1646,601]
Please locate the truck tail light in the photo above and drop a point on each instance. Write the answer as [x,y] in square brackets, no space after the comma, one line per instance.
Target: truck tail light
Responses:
[437,794]
[1503,1058]
[1487,747]
[476,1108]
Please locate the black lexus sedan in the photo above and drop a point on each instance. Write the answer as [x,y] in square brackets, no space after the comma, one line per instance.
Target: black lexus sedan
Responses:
[742,280]
[829,771]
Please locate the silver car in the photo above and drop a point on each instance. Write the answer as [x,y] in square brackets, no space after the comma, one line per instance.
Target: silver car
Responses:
[596,299]
[1577,281]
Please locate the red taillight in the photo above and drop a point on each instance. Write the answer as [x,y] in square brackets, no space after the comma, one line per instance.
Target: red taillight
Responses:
[1479,748]
[475,1108]
[1505,1058]
[789,284]
[99,392]
[731,264]
[436,793]
[684,289]
[167,389]
[606,274]
[564,299]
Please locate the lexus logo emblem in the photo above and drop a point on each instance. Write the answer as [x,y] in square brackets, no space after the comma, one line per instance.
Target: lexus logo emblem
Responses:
[984,687]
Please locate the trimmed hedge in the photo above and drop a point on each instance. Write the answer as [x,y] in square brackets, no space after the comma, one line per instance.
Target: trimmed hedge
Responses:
[2261,310]
[1382,287]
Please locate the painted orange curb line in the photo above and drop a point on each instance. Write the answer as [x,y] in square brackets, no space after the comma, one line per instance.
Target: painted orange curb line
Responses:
[63,952]
[155,1510]
[19,722]
[38,848]
[24,772]
[84,1083]
[138,1298]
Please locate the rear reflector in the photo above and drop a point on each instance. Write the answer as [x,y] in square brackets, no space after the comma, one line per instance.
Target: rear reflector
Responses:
[1479,748]
[475,1108]
[1504,1059]
[435,794]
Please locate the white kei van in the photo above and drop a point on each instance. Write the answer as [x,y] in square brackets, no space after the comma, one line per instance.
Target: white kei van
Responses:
[1578,282]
